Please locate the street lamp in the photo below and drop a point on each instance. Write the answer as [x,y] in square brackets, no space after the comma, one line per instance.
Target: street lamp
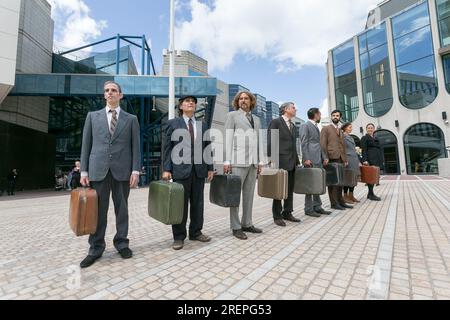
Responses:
[171,53]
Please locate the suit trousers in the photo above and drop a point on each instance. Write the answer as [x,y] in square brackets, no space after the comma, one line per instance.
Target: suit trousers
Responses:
[335,192]
[193,197]
[312,203]
[120,192]
[278,210]
[248,181]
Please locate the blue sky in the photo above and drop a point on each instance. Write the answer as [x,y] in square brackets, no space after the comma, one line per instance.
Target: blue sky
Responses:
[277,50]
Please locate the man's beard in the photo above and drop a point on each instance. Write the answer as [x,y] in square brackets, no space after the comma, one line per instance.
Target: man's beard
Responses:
[335,121]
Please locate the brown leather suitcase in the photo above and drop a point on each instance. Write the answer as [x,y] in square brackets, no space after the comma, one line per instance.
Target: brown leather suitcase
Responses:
[370,175]
[273,184]
[83,215]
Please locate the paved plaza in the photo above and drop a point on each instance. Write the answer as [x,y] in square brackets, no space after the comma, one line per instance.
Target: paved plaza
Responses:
[395,249]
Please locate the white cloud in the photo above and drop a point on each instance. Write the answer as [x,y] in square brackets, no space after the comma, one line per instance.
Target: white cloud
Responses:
[74,25]
[291,33]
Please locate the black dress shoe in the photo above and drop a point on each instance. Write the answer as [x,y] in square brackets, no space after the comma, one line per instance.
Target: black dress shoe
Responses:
[126,253]
[280,222]
[252,229]
[374,198]
[202,238]
[291,218]
[313,214]
[240,234]
[344,205]
[88,261]
[322,211]
[337,207]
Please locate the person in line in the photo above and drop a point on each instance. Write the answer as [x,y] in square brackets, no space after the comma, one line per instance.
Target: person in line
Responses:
[110,163]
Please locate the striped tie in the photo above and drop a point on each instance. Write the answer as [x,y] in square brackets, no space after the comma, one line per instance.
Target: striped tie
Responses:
[113,125]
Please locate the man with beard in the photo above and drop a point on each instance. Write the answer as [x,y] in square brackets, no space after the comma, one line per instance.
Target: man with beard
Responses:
[333,145]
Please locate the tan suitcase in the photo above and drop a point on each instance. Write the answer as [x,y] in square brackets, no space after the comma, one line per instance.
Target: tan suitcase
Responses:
[273,184]
[83,215]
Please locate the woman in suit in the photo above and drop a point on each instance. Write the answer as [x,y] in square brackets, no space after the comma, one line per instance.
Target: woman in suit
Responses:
[353,161]
[372,155]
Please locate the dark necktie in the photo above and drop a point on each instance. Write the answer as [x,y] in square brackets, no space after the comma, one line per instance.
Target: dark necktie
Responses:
[250,119]
[191,131]
[112,127]
[291,127]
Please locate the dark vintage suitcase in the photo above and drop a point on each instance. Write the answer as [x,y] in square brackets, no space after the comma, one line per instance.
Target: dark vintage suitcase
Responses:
[225,191]
[370,175]
[310,181]
[166,202]
[83,212]
[350,178]
[335,174]
[273,184]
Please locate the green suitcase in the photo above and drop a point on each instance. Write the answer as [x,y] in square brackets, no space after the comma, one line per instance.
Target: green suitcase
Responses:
[166,202]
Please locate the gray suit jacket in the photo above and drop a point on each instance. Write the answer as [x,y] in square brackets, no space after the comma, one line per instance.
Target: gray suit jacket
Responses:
[310,141]
[243,144]
[100,152]
[352,156]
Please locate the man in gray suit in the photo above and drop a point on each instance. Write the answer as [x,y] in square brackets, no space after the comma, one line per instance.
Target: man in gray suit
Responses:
[313,156]
[244,157]
[110,161]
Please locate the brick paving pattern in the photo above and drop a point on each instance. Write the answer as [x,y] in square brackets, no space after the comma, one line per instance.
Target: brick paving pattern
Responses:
[395,249]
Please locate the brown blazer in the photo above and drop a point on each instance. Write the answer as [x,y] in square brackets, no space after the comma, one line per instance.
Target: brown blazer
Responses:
[333,144]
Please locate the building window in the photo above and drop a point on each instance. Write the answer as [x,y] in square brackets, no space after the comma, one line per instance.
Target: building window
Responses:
[376,78]
[424,145]
[443,10]
[414,57]
[345,81]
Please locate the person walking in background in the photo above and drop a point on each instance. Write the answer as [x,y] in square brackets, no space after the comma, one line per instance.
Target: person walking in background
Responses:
[110,162]
[372,155]
[76,176]
[313,156]
[353,161]
[288,160]
[332,142]
[12,178]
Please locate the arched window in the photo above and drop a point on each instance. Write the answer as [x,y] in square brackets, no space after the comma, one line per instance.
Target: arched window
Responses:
[424,145]
[414,57]
[389,146]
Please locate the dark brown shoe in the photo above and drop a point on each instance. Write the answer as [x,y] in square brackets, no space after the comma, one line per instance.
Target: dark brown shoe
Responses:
[178,245]
[291,218]
[280,222]
[240,234]
[201,238]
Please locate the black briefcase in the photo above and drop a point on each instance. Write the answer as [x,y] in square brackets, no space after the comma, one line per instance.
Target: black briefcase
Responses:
[225,191]
[335,174]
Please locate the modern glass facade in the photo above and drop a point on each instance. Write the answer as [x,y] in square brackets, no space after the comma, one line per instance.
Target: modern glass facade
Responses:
[443,11]
[408,65]
[261,111]
[345,81]
[424,145]
[414,57]
[102,63]
[376,78]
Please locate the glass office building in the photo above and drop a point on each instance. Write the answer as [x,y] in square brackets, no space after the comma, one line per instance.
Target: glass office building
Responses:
[395,74]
